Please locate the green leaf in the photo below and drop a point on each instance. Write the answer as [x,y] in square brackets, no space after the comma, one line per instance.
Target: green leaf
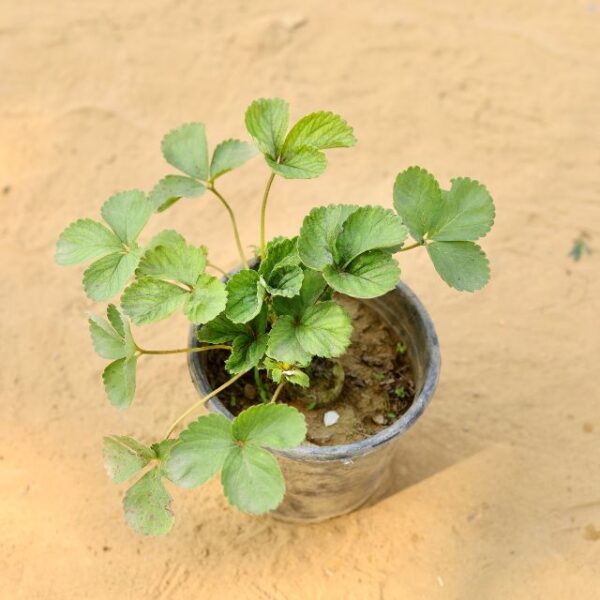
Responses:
[297,377]
[148,300]
[312,288]
[119,381]
[167,237]
[201,451]
[325,330]
[319,233]
[107,276]
[245,296]
[280,251]
[85,240]
[229,155]
[127,213]
[417,199]
[207,300]
[266,122]
[320,130]
[304,163]
[270,425]
[124,457]
[117,320]
[467,212]
[108,343]
[175,262]
[147,505]
[283,343]
[246,353]
[220,330]
[285,280]
[252,480]
[370,275]
[186,149]
[370,228]
[462,265]
[172,188]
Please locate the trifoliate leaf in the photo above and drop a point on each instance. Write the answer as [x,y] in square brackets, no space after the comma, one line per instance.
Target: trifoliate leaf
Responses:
[417,199]
[252,480]
[304,163]
[325,330]
[320,130]
[462,265]
[245,296]
[148,300]
[229,155]
[370,275]
[175,262]
[127,213]
[207,300]
[285,280]
[467,212]
[246,353]
[221,330]
[167,237]
[147,505]
[172,188]
[186,149]
[266,122]
[319,233]
[370,228]
[108,343]
[311,290]
[270,425]
[119,381]
[283,343]
[297,377]
[85,240]
[162,451]
[124,457]
[107,276]
[280,251]
[201,451]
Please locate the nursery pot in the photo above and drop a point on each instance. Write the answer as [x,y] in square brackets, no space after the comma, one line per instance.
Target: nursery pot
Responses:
[327,481]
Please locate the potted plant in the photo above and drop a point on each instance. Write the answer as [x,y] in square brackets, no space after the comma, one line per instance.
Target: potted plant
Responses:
[312,357]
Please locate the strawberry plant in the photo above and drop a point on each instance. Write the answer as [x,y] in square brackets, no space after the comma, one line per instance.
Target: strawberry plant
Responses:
[274,316]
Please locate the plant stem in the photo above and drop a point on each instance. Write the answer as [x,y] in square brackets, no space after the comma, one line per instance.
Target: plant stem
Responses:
[263,213]
[236,232]
[201,402]
[222,271]
[277,391]
[262,390]
[181,350]
[416,245]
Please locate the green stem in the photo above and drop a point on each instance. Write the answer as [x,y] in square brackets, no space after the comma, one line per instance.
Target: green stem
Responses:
[236,232]
[262,390]
[222,271]
[263,214]
[200,402]
[181,350]
[416,245]
[278,391]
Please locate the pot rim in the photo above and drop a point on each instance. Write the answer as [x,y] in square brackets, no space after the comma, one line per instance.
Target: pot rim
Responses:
[354,449]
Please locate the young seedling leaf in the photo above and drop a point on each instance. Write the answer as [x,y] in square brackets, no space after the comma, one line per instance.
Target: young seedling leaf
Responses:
[167,237]
[119,381]
[174,262]
[417,199]
[186,149]
[245,296]
[270,425]
[304,163]
[147,505]
[124,457]
[148,300]
[267,122]
[246,353]
[319,233]
[313,286]
[467,212]
[201,451]
[462,265]
[229,155]
[370,228]
[370,275]
[172,188]
[127,213]
[107,276]
[85,240]
[281,251]
[284,280]
[221,330]
[207,300]
[252,480]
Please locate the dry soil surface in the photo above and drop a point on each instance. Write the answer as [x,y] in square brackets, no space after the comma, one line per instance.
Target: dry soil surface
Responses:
[497,488]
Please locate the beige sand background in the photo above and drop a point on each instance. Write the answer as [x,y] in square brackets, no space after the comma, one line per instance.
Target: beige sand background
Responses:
[497,490]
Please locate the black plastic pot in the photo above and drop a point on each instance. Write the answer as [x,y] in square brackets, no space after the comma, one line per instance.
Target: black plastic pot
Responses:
[327,481]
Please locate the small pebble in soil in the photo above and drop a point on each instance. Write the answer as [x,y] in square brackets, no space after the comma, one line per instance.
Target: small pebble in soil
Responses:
[249,391]
[378,419]
[331,417]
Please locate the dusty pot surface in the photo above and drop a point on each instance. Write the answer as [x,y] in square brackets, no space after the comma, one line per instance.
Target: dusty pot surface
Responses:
[327,481]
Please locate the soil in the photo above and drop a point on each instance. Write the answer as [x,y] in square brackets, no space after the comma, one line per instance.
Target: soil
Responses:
[378,384]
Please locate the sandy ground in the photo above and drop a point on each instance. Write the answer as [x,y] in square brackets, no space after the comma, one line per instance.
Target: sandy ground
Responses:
[497,489]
